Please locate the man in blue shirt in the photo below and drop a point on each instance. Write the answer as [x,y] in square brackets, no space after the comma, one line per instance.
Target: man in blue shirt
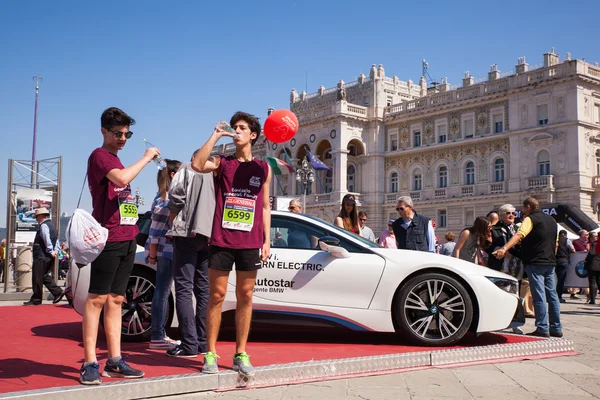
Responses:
[413,231]
[45,249]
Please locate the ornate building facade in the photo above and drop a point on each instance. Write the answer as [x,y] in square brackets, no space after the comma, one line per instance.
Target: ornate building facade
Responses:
[458,152]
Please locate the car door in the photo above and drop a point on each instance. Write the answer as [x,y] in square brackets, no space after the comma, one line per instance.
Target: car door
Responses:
[298,272]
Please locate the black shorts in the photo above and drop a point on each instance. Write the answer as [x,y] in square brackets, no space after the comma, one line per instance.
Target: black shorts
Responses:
[245,259]
[111,270]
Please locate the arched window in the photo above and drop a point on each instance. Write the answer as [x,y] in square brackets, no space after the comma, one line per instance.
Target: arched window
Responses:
[499,170]
[394,182]
[543,163]
[352,150]
[329,182]
[351,171]
[470,173]
[417,180]
[327,154]
[443,176]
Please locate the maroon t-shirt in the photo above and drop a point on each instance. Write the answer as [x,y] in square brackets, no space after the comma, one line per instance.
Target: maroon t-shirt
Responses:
[105,195]
[238,221]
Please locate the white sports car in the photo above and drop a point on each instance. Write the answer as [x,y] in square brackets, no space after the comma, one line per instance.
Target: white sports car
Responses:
[321,275]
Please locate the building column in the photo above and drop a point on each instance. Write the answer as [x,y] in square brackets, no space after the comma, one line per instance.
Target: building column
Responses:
[340,169]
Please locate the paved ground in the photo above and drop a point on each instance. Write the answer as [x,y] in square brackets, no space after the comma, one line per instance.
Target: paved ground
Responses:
[571,378]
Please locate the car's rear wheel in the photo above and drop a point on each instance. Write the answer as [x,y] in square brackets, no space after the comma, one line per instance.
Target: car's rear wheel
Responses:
[433,309]
[136,323]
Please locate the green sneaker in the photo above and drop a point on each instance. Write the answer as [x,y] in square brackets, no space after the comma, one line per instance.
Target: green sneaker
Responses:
[241,363]
[210,363]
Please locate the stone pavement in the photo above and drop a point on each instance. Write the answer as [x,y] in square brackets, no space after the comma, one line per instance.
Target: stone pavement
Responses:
[569,378]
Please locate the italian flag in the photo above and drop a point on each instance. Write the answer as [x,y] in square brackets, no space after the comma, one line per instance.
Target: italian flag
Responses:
[279,167]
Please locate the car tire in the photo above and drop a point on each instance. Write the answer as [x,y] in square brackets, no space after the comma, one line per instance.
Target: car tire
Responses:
[136,325]
[433,309]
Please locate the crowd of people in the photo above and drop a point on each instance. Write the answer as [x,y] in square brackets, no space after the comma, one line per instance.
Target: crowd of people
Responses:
[192,251]
[197,254]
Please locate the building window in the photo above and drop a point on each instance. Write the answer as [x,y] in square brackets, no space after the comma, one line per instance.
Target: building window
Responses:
[597,162]
[470,173]
[469,124]
[469,217]
[597,113]
[498,123]
[417,139]
[327,154]
[365,100]
[542,114]
[441,133]
[543,163]
[394,142]
[443,177]
[351,178]
[329,182]
[499,170]
[417,180]
[389,101]
[442,219]
[394,182]
[352,151]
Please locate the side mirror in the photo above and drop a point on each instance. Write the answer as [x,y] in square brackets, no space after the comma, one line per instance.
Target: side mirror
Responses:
[332,246]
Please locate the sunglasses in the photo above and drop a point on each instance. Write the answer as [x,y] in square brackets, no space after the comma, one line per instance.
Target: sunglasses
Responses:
[292,208]
[119,135]
[511,213]
[363,219]
[400,208]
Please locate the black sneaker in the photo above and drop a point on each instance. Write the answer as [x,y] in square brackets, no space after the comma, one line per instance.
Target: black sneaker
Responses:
[32,303]
[556,334]
[121,370]
[539,334]
[90,375]
[180,352]
[562,300]
[59,297]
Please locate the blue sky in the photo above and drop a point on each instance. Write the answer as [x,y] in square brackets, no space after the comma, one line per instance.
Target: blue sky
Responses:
[178,67]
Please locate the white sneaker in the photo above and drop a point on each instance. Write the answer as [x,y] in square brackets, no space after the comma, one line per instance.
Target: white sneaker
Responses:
[165,343]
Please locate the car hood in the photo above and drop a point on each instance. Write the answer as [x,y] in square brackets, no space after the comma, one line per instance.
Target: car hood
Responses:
[420,259]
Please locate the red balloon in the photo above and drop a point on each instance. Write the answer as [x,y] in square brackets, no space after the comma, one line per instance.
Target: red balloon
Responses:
[281,126]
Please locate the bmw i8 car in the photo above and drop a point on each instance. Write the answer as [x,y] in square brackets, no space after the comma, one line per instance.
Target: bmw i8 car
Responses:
[322,276]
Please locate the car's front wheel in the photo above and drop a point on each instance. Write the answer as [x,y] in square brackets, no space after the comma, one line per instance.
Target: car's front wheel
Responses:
[136,325]
[433,309]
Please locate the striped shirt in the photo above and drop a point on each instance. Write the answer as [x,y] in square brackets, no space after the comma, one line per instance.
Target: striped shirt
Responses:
[159,228]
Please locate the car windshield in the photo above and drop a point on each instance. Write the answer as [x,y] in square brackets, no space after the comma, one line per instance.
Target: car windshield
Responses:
[364,241]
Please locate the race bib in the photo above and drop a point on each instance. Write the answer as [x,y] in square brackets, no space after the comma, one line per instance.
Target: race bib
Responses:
[127,208]
[238,214]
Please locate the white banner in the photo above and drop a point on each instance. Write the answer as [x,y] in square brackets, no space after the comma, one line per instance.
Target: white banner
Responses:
[576,276]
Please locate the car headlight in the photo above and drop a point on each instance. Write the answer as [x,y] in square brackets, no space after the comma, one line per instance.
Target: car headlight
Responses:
[508,285]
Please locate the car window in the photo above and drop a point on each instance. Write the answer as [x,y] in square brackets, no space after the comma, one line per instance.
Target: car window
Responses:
[293,234]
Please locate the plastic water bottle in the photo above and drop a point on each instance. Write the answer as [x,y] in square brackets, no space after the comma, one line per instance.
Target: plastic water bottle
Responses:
[224,126]
[160,163]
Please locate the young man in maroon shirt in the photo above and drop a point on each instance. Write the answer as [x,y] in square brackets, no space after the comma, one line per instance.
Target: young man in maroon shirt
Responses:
[240,233]
[115,209]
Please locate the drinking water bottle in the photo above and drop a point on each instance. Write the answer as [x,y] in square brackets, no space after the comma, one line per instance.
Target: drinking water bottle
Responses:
[224,126]
[161,164]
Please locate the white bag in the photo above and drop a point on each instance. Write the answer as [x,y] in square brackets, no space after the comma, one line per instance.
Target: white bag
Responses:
[86,237]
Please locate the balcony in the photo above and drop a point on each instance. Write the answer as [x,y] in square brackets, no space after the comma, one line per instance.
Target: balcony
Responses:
[467,190]
[540,182]
[415,196]
[496,188]
[439,193]
[390,198]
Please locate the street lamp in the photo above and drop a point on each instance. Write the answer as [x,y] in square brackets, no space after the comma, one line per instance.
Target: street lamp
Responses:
[305,175]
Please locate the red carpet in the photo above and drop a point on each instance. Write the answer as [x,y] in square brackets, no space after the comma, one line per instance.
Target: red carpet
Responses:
[41,348]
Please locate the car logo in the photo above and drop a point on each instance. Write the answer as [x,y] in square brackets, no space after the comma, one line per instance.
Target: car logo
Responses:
[580,271]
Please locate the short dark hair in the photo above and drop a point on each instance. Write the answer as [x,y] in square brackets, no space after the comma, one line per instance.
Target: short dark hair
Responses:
[252,121]
[562,232]
[531,202]
[114,116]
[362,214]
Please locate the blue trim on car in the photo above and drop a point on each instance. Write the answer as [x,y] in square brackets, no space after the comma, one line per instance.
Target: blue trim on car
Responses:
[339,321]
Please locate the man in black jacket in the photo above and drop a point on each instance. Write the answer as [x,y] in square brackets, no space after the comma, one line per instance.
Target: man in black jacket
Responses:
[538,234]
[502,232]
[45,249]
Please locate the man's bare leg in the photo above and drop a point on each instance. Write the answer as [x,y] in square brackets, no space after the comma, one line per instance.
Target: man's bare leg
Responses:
[113,317]
[244,289]
[217,281]
[91,319]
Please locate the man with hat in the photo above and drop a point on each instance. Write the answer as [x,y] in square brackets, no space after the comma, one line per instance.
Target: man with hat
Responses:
[45,249]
